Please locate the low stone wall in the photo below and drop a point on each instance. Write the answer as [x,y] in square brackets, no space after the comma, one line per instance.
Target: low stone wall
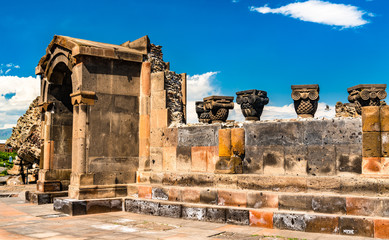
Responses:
[294,147]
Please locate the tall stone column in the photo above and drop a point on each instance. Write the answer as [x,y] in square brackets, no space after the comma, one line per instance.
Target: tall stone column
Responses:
[81,101]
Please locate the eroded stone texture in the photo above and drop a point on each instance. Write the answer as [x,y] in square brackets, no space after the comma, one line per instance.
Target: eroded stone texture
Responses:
[345,110]
[202,114]
[366,95]
[218,107]
[251,103]
[305,98]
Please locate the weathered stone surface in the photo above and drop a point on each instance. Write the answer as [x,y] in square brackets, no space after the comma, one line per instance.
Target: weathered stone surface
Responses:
[193,213]
[98,206]
[251,103]
[371,146]
[295,222]
[208,196]
[261,219]
[296,160]
[216,215]
[384,118]
[175,194]
[322,224]
[321,160]
[359,186]
[371,119]
[149,208]
[169,210]
[329,204]
[364,206]
[273,160]
[371,165]
[190,195]
[160,194]
[381,228]
[262,200]
[198,136]
[281,184]
[218,107]
[349,158]
[356,226]
[70,206]
[363,95]
[295,202]
[184,158]
[235,216]
[231,198]
[385,144]
[253,161]
[145,192]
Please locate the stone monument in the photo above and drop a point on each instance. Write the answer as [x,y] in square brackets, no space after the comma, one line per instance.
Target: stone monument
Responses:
[218,107]
[252,102]
[306,98]
[363,95]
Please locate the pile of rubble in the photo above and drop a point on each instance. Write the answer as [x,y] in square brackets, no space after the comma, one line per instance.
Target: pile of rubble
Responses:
[25,139]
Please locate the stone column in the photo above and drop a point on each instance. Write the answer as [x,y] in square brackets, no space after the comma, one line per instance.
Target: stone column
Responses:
[144,120]
[364,95]
[306,98]
[81,101]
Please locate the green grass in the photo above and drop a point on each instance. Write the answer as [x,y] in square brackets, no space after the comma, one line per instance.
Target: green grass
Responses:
[4,161]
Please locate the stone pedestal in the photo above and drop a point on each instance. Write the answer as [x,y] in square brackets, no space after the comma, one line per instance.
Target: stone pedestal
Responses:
[218,107]
[363,95]
[202,114]
[252,102]
[306,98]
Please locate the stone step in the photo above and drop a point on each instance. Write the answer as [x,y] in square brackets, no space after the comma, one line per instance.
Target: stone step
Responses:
[264,218]
[305,221]
[364,185]
[44,197]
[341,204]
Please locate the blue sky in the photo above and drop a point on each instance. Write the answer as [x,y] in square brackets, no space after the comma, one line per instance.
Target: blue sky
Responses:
[262,44]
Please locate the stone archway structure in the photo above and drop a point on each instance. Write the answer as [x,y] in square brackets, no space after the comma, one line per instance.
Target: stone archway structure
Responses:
[90,116]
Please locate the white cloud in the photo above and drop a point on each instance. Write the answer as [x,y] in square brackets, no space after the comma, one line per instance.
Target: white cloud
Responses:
[287,111]
[9,67]
[26,89]
[317,11]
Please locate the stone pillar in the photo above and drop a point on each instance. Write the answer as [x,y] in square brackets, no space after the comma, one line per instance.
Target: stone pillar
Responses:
[231,151]
[384,121]
[144,121]
[363,95]
[371,140]
[218,107]
[251,103]
[306,98]
[81,101]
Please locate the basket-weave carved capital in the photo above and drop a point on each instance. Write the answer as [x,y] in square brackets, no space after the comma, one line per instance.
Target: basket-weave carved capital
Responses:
[251,103]
[306,98]
[366,95]
[202,114]
[218,107]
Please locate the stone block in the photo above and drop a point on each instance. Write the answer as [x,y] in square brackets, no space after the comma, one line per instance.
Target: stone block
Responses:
[169,159]
[43,199]
[371,165]
[72,207]
[262,200]
[48,186]
[295,202]
[261,219]
[385,165]
[215,215]
[156,138]
[193,213]
[157,81]
[198,136]
[116,205]
[225,142]
[273,183]
[253,161]
[322,224]
[170,137]
[371,144]
[169,210]
[296,160]
[144,126]
[342,131]
[156,158]
[132,205]
[231,198]
[144,105]
[349,158]
[321,160]
[323,184]
[188,179]
[212,158]
[158,100]
[359,186]
[383,188]
[149,208]
[160,193]
[371,119]
[329,204]
[356,226]
[175,194]
[208,196]
[288,221]
[190,195]
[314,132]
[363,206]
[159,118]
[183,159]
[226,181]
[144,192]
[381,228]
[273,160]
[229,165]
[237,141]
[385,144]
[199,159]
[384,118]
[98,206]
[273,133]
[236,216]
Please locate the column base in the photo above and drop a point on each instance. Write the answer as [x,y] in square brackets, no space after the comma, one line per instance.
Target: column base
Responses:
[53,180]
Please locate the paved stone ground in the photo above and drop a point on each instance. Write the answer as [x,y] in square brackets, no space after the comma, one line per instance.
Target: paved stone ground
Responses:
[20,220]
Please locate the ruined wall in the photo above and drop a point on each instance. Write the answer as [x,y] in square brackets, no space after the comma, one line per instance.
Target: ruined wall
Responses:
[295,147]
[113,121]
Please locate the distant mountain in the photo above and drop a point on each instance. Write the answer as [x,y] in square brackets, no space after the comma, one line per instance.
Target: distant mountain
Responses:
[5,133]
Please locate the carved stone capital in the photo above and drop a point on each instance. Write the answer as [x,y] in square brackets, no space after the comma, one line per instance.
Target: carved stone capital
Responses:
[218,107]
[366,95]
[252,102]
[306,98]
[83,97]
[202,114]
